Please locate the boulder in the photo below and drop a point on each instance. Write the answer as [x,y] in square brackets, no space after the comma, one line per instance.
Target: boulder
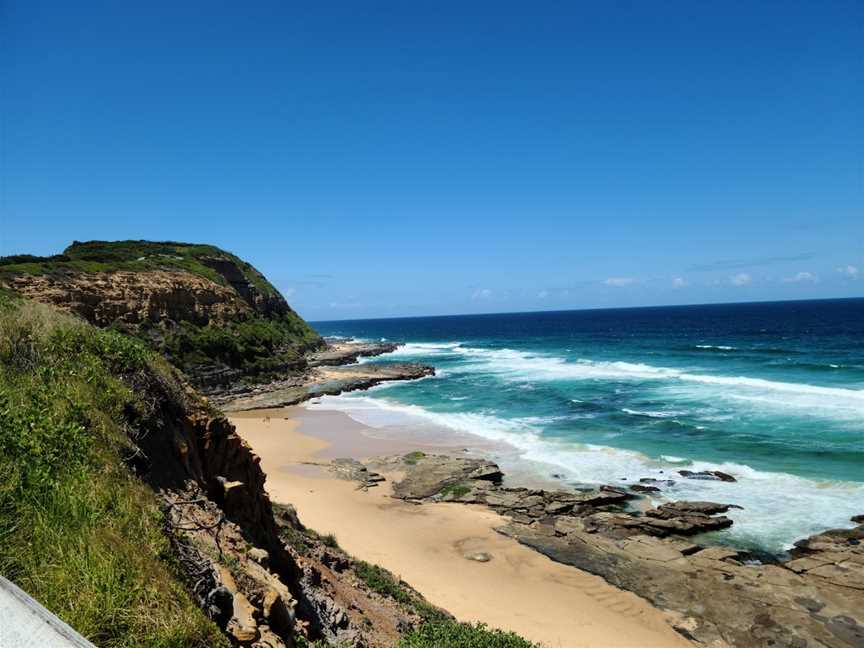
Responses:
[709,475]
[642,488]
[657,482]
[685,507]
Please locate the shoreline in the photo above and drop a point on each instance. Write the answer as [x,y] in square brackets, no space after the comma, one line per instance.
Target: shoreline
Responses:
[433,505]
[518,589]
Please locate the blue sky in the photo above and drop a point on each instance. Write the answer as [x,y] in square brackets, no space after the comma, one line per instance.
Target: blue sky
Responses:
[404,158]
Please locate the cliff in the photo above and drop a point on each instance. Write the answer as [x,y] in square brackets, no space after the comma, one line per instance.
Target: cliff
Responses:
[214,315]
[133,510]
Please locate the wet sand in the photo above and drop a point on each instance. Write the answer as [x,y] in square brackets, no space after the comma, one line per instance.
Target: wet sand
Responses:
[425,545]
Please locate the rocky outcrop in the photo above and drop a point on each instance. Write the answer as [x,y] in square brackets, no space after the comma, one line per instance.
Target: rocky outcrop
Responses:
[242,557]
[211,313]
[429,475]
[320,381]
[133,298]
[707,475]
[347,352]
[721,596]
[353,470]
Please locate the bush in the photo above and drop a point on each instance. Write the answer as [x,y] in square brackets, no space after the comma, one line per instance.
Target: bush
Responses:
[455,490]
[381,581]
[384,583]
[452,634]
[413,457]
[78,531]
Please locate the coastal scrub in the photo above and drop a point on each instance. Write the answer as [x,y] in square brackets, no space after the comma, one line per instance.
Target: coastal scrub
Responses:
[78,531]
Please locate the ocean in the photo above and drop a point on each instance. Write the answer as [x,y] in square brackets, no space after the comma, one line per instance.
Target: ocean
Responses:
[772,393]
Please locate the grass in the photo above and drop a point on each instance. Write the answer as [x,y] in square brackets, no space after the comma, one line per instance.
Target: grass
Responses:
[108,256]
[455,490]
[452,634]
[381,581]
[384,583]
[78,531]
[295,539]
[329,540]
[413,457]
[437,629]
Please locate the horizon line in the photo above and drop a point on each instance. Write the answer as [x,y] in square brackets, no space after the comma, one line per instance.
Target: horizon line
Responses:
[588,308]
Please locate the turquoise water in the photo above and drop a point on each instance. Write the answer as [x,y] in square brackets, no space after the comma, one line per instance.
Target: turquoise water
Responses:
[772,393]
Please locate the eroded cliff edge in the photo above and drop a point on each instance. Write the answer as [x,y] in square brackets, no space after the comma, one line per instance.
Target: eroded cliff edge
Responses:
[90,414]
[211,313]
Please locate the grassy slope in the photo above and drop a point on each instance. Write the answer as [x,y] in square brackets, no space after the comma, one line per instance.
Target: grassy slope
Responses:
[77,530]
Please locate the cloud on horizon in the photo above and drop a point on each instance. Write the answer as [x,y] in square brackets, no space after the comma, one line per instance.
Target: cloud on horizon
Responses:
[482,294]
[850,271]
[738,264]
[801,277]
[619,282]
[741,279]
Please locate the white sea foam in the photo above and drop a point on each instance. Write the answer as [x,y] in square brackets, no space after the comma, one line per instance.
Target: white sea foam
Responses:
[521,366]
[651,414]
[778,507]
[719,347]
[424,348]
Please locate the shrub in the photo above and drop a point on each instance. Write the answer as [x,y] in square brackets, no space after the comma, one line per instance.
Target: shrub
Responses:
[455,490]
[381,581]
[452,634]
[78,531]
[413,457]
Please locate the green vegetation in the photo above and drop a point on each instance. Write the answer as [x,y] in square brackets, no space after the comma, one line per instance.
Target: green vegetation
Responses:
[295,539]
[384,583]
[413,457]
[455,490]
[267,342]
[381,581]
[329,540]
[257,347]
[437,631]
[108,256]
[452,634]
[78,531]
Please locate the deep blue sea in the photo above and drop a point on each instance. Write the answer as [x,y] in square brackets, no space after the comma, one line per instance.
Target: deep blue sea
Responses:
[772,393]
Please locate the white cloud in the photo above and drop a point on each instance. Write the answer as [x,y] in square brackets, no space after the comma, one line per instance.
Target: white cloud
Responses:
[679,282]
[564,294]
[482,294]
[741,279]
[543,294]
[619,282]
[850,271]
[802,276]
[288,292]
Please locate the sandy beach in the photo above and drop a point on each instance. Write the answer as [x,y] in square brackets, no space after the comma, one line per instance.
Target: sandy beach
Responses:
[425,545]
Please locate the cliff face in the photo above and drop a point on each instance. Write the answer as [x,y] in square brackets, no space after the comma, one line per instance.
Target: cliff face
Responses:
[126,499]
[213,314]
[132,298]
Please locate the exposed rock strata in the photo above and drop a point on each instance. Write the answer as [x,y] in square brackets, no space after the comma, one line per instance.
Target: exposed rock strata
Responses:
[134,298]
[236,549]
[320,381]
